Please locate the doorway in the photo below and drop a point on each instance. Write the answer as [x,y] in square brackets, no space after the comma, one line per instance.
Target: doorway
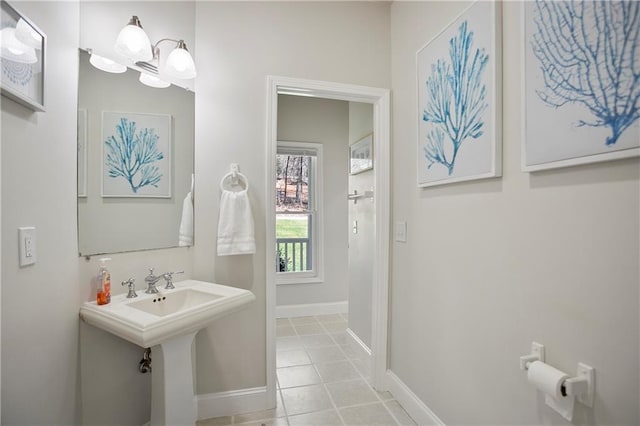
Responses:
[380,99]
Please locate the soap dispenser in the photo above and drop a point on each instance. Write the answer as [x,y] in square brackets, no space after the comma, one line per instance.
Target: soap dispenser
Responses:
[103,281]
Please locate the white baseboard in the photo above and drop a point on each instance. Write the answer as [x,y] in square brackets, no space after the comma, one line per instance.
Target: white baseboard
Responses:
[417,409]
[311,309]
[222,404]
[364,353]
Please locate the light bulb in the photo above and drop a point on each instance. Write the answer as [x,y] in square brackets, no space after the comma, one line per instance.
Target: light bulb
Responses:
[106,64]
[133,42]
[153,81]
[180,63]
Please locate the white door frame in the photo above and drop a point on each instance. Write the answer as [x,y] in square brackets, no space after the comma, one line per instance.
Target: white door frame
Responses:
[380,98]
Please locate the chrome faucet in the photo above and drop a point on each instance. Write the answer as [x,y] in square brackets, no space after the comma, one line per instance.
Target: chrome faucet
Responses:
[151,281]
[131,282]
[168,277]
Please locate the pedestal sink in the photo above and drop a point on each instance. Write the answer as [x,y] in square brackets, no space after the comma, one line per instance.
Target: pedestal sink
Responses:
[167,322]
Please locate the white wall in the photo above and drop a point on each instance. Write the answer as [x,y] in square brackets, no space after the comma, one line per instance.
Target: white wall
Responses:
[362,244]
[324,121]
[108,225]
[40,380]
[244,42]
[490,266]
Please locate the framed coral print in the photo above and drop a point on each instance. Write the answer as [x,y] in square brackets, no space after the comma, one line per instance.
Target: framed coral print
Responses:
[460,99]
[22,58]
[136,155]
[581,85]
[361,155]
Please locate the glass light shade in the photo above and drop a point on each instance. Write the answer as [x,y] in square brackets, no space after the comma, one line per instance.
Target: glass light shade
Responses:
[106,64]
[14,50]
[133,42]
[153,81]
[27,35]
[180,63]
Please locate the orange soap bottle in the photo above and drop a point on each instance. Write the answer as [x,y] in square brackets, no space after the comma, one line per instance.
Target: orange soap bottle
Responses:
[103,281]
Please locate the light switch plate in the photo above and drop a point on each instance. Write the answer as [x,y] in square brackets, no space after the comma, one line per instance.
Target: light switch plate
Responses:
[27,245]
[401,232]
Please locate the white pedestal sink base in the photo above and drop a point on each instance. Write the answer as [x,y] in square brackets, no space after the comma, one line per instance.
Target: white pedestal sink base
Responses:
[172,398]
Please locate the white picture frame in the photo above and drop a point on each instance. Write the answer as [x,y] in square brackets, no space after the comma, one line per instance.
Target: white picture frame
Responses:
[82,153]
[454,147]
[126,135]
[561,129]
[22,63]
[361,155]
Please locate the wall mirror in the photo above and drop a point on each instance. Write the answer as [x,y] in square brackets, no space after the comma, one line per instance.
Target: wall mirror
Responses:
[135,162]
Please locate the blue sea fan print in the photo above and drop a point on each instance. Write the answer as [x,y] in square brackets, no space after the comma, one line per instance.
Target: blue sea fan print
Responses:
[589,55]
[456,99]
[132,155]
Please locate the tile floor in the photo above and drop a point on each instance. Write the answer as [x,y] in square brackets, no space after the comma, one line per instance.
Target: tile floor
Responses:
[321,381]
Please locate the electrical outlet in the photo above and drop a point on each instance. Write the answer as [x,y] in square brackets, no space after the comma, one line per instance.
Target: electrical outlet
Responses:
[27,245]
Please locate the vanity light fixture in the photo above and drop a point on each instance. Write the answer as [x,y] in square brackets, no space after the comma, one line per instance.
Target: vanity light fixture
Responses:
[134,44]
[153,81]
[106,64]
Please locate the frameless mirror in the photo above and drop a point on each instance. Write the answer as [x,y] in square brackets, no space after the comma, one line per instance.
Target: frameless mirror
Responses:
[135,162]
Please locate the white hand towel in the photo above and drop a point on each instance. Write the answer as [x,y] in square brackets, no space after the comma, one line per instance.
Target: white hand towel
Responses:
[235,225]
[185,237]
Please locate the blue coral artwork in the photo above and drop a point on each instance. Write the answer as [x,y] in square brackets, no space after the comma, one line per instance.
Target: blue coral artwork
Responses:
[459,99]
[136,155]
[581,82]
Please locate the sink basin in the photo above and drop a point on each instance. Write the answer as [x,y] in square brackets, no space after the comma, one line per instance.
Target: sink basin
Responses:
[149,319]
[168,322]
[174,302]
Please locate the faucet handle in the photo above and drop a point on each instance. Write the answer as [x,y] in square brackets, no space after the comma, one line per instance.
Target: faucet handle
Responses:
[168,277]
[131,283]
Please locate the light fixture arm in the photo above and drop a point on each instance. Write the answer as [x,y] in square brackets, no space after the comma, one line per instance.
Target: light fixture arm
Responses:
[180,43]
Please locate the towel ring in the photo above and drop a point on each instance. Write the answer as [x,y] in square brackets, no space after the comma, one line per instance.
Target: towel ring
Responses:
[235,176]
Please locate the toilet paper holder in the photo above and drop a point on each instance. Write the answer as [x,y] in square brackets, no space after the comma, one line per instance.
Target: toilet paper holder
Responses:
[582,386]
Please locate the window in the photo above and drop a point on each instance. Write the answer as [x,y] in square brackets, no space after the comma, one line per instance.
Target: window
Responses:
[298,212]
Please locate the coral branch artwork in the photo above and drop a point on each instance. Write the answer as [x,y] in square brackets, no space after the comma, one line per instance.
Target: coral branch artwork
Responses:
[136,150]
[582,76]
[458,101]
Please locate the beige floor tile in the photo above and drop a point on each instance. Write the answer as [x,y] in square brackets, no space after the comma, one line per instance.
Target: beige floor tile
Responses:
[370,415]
[349,351]
[384,396]
[288,343]
[399,413]
[291,358]
[282,321]
[257,416]
[330,318]
[317,340]
[216,421]
[318,418]
[341,337]
[362,368]
[337,371]
[303,320]
[305,329]
[334,327]
[281,421]
[285,330]
[301,375]
[352,392]
[305,399]
[327,354]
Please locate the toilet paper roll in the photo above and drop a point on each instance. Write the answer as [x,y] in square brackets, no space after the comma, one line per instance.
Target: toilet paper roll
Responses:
[546,378]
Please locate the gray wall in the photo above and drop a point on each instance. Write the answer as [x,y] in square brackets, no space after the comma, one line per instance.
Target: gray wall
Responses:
[490,266]
[324,121]
[40,380]
[362,244]
[245,42]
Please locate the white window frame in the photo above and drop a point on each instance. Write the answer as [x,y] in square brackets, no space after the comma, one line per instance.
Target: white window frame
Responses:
[316,274]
